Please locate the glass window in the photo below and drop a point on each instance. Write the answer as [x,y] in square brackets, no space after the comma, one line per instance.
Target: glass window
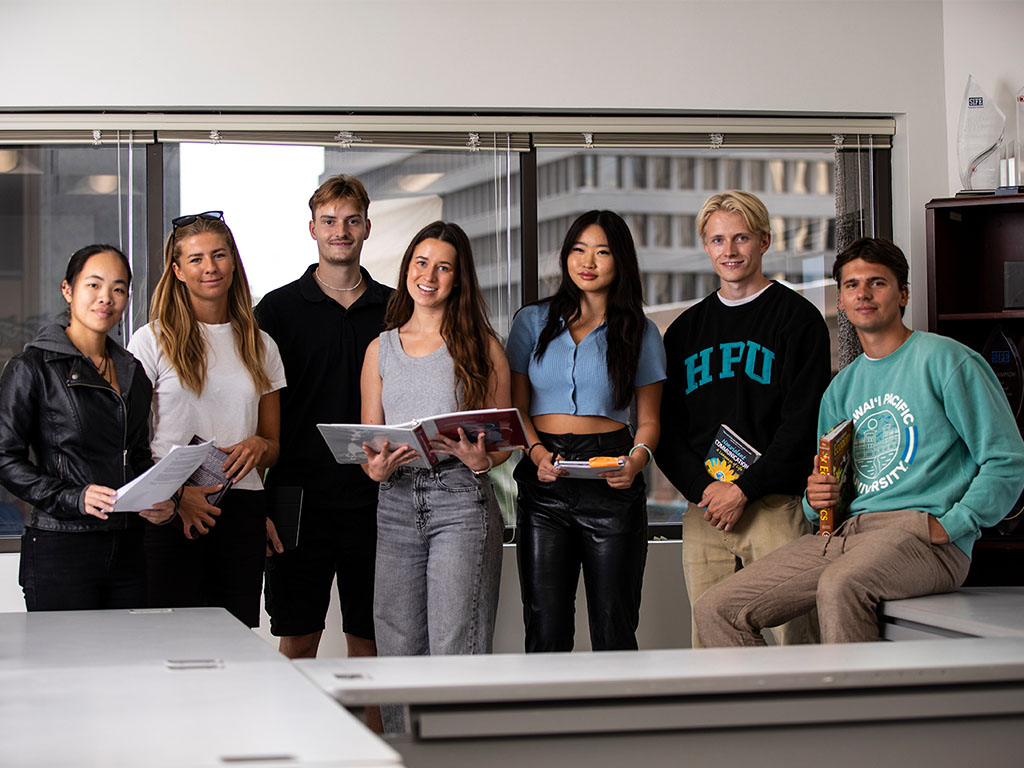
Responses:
[639,165]
[733,174]
[777,172]
[53,201]
[686,170]
[755,173]
[638,225]
[51,195]
[687,231]
[662,172]
[264,192]
[661,230]
[709,173]
[676,271]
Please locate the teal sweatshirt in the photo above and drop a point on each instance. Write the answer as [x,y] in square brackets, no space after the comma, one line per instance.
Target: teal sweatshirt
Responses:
[933,431]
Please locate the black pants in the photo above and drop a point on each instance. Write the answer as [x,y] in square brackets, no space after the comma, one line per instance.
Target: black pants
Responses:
[569,524]
[82,570]
[222,568]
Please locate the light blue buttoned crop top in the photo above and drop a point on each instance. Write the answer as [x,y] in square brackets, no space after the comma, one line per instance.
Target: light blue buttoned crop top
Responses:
[573,378]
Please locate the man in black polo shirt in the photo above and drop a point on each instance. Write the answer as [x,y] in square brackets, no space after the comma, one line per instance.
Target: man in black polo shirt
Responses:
[322,324]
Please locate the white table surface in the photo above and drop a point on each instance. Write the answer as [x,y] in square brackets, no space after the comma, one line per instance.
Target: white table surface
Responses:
[974,611]
[635,674]
[192,687]
[102,638]
[155,717]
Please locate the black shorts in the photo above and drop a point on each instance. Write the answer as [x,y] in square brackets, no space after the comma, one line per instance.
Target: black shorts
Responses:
[332,542]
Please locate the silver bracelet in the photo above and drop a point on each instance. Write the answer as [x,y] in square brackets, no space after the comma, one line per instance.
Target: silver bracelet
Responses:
[485,470]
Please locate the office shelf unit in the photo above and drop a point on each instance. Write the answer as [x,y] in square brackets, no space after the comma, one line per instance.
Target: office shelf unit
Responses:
[970,240]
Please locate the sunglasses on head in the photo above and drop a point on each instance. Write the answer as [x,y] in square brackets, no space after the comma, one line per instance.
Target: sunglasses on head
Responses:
[184,221]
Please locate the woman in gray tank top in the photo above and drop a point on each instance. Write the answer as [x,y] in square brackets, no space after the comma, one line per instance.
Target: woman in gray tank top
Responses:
[438,530]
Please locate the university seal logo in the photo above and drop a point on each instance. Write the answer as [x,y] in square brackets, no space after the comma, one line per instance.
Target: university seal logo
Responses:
[876,444]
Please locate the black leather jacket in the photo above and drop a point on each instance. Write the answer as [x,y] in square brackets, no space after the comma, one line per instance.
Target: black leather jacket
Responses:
[63,427]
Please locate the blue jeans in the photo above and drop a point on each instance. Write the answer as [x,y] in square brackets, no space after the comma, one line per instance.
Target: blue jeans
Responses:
[438,562]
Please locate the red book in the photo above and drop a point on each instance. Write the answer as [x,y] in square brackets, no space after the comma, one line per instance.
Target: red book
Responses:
[503,429]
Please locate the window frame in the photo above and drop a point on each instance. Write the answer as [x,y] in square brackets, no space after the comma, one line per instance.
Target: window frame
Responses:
[524,134]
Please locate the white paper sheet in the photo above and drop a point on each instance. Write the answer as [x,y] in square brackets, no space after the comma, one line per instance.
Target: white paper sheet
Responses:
[162,479]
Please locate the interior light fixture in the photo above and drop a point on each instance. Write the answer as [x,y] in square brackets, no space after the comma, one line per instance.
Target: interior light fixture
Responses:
[417,182]
[8,160]
[97,183]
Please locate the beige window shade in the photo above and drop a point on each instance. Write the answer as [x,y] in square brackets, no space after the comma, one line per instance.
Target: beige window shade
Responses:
[451,140]
[469,132]
[70,137]
[709,140]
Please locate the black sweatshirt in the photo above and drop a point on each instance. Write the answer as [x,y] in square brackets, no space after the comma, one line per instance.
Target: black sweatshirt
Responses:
[761,368]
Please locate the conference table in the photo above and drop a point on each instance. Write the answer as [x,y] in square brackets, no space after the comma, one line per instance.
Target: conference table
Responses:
[968,612]
[183,687]
[194,687]
[948,703]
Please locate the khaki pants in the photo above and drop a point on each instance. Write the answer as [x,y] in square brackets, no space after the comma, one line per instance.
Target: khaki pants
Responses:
[873,557]
[711,556]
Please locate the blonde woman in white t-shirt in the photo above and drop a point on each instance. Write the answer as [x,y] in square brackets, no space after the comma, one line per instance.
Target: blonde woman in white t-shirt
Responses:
[216,376]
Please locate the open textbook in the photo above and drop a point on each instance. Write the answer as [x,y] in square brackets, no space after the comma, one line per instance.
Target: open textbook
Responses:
[161,480]
[502,427]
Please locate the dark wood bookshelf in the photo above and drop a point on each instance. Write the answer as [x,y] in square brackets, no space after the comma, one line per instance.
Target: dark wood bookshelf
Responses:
[970,240]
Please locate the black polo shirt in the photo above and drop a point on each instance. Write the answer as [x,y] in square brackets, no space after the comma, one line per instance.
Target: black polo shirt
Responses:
[322,346]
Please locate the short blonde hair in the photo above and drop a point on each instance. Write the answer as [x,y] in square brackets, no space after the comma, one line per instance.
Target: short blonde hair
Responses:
[749,206]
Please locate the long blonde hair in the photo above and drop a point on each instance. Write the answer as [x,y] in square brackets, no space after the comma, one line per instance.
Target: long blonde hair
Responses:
[180,335]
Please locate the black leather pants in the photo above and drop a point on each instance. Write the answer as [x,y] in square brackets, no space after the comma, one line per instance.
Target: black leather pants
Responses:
[569,524]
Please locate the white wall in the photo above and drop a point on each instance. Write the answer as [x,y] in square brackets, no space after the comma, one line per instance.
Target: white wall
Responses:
[984,38]
[855,57]
[786,56]
[664,609]
[664,612]
[11,599]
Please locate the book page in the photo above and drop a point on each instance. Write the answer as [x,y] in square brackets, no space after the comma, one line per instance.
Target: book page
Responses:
[160,481]
[346,441]
[502,427]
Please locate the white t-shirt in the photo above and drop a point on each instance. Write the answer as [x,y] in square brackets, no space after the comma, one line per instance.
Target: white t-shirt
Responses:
[227,411]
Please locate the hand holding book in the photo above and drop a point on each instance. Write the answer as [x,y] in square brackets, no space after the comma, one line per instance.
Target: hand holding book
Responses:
[471,452]
[822,490]
[728,457]
[831,462]
[503,429]
[381,464]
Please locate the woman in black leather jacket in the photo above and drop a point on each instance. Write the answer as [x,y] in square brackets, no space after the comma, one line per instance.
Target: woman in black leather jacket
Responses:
[74,409]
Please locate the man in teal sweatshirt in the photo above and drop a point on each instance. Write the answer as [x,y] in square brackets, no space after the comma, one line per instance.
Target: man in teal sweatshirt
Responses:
[936,456]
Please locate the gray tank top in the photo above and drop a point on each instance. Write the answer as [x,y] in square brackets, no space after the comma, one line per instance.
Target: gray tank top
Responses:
[414,387]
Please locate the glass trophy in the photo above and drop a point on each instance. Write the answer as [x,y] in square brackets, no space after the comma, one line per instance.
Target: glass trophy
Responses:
[1017,177]
[979,139]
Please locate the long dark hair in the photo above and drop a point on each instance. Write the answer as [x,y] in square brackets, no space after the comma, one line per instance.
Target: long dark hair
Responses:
[465,328]
[624,315]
